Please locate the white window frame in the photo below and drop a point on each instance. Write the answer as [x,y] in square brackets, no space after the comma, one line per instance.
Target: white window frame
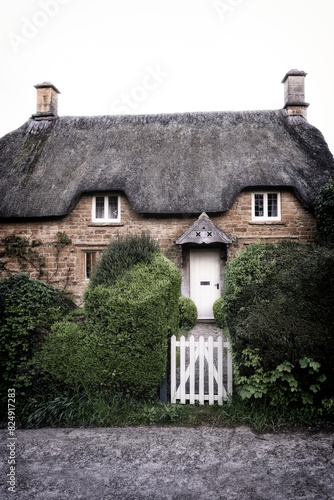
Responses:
[106,202]
[265,216]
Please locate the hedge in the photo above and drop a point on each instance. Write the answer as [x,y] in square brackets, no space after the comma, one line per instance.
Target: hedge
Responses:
[131,323]
[28,308]
[65,356]
[124,344]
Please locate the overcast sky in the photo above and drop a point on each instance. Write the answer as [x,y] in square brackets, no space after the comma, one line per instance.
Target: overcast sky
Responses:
[163,56]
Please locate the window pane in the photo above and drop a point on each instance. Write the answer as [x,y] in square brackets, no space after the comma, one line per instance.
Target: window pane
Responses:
[258,205]
[90,262]
[113,207]
[99,207]
[272,205]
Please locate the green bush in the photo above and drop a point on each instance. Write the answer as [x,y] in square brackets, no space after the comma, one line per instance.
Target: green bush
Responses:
[130,324]
[28,308]
[188,313]
[66,356]
[218,312]
[278,302]
[122,254]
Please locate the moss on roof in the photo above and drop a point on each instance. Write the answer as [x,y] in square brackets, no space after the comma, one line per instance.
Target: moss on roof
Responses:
[165,164]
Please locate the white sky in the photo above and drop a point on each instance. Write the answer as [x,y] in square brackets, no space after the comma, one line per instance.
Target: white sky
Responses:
[162,56]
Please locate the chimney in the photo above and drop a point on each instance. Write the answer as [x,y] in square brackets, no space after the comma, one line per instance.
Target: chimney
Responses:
[47,101]
[294,93]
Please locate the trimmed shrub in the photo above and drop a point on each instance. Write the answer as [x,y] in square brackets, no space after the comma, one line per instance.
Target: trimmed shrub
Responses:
[124,343]
[66,356]
[120,255]
[129,325]
[278,303]
[188,313]
[218,312]
[28,308]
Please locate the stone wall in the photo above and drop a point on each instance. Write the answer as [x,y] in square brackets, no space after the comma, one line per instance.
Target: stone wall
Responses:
[65,267]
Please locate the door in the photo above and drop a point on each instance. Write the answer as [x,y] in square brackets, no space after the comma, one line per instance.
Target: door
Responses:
[205,270]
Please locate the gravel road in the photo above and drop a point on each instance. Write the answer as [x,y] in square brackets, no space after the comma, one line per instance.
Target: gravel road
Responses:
[168,463]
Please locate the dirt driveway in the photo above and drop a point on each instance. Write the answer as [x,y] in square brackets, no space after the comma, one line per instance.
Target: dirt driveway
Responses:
[167,463]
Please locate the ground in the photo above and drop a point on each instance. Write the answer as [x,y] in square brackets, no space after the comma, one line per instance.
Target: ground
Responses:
[168,463]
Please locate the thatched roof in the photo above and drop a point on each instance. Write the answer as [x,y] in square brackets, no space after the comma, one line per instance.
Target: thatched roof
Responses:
[165,164]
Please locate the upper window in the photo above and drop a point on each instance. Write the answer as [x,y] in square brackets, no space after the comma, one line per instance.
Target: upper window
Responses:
[106,208]
[266,206]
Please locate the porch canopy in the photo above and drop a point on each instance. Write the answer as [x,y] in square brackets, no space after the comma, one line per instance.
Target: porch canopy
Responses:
[203,231]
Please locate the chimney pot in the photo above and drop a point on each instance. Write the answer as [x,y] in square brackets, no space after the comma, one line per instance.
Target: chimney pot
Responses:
[47,101]
[294,93]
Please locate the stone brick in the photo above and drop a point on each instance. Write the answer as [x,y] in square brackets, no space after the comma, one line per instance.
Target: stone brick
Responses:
[297,224]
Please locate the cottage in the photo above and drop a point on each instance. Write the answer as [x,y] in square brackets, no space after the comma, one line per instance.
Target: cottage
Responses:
[203,184]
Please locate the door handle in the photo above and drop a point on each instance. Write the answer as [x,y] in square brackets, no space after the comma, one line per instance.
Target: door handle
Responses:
[217,285]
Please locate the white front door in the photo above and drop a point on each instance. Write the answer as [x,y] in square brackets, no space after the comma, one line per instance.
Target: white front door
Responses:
[205,270]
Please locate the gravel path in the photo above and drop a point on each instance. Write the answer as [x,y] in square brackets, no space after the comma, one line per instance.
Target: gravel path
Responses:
[205,329]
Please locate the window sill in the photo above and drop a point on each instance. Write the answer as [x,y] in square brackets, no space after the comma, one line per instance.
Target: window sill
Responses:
[105,224]
[266,223]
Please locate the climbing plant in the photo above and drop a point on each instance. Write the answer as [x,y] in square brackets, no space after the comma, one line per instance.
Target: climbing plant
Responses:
[27,255]
[21,249]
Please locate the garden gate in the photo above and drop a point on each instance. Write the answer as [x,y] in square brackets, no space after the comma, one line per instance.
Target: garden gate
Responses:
[200,370]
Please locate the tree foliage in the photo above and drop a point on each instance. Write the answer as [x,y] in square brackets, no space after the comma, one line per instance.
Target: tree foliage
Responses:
[324,212]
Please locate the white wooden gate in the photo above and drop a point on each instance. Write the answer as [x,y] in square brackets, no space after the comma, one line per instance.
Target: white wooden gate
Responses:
[205,371]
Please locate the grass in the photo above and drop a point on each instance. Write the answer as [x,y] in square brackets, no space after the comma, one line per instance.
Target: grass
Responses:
[86,408]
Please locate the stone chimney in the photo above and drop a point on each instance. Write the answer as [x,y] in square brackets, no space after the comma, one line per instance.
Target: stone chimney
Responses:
[47,101]
[294,93]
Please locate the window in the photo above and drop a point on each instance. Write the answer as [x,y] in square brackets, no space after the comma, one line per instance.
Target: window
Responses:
[266,206]
[106,208]
[90,259]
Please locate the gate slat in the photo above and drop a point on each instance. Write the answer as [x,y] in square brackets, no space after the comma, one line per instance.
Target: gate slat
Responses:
[210,370]
[192,358]
[201,353]
[220,371]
